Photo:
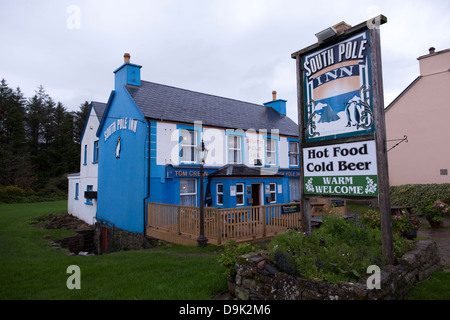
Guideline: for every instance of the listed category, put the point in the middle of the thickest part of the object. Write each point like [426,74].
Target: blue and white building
[147,138]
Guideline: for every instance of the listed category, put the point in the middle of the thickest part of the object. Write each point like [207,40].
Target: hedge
[419,195]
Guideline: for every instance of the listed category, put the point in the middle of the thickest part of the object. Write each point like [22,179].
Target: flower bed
[329,263]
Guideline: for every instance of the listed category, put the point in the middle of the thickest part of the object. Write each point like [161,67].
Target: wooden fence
[180,224]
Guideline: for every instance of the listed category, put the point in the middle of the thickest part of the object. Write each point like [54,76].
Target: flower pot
[436,224]
[410,235]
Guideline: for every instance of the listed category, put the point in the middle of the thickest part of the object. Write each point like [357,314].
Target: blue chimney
[128,73]
[278,105]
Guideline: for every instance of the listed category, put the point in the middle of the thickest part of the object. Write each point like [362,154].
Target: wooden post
[219,226]
[305,202]
[380,140]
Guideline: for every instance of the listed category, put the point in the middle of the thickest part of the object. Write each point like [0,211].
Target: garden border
[258,279]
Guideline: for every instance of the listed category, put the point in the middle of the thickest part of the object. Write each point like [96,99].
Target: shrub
[401,223]
[418,195]
[339,250]
[231,251]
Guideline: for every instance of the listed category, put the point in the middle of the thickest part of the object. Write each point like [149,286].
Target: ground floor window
[273,192]
[188,192]
[89,200]
[76,191]
[219,187]
[294,189]
[239,194]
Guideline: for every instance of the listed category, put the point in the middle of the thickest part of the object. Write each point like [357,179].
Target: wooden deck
[180,224]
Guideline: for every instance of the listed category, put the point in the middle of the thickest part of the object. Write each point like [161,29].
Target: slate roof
[162,102]
[241,170]
[99,108]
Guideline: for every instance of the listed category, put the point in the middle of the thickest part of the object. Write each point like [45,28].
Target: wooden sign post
[342,129]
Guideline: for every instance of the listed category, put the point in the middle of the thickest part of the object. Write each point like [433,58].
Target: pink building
[422,113]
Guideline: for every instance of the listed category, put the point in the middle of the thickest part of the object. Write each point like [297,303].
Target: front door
[256,194]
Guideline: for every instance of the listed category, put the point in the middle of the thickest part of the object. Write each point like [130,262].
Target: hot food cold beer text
[344,169]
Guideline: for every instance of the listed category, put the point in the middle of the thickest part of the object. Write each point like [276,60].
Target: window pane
[240,199]
[220,199]
[187,186]
[239,188]
[220,188]
[272,187]
[187,201]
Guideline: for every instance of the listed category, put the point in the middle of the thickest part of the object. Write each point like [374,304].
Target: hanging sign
[348,169]
[338,90]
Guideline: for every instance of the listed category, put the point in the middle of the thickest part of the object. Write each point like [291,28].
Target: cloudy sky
[239,49]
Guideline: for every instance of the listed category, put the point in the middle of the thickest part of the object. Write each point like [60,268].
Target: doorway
[256,194]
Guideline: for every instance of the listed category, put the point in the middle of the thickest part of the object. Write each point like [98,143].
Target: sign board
[337,86]
[290,208]
[348,169]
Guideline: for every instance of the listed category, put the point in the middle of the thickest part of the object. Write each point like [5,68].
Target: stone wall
[111,239]
[258,279]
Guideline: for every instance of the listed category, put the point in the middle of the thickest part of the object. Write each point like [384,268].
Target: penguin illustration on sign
[353,111]
[118,148]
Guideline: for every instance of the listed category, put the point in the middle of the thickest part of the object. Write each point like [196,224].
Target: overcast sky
[239,49]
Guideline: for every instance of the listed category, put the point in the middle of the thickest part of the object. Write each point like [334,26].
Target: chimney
[127,74]
[431,50]
[277,104]
[126,58]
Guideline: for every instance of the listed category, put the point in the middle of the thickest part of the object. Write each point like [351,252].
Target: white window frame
[240,193]
[190,194]
[219,193]
[185,146]
[274,192]
[237,149]
[273,151]
[294,154]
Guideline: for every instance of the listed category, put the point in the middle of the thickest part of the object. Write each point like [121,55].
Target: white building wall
[80,208]
[216,142]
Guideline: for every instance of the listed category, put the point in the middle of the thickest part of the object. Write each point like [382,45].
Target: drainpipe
[149,164]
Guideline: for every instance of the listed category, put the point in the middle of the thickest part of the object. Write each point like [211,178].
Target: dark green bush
[418,196]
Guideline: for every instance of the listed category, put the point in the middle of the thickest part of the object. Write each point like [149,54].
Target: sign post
[341,120]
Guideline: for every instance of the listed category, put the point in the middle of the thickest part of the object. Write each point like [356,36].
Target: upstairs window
[187,146]
[95,159]
[85,155]
[234,149]
[293,154]
[271,151]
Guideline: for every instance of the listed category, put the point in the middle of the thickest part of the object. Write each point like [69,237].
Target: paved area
[442,238]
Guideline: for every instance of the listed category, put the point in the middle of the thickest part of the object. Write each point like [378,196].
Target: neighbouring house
[421,114]
[81,204]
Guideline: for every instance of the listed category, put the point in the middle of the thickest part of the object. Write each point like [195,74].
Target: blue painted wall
[122,182]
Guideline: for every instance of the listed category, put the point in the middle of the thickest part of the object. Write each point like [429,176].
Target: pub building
[141,146]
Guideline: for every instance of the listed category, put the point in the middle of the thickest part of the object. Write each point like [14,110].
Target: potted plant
[435,213]
[404,224]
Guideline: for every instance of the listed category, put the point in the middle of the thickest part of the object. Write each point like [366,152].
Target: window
[273,192]
[188,192]
[234,149]
[85,154]
[271,151]
[95,160]
[293,153]
[89,200]
[76,191]
[219,188]
[239,194]
[187,146]
[294,189]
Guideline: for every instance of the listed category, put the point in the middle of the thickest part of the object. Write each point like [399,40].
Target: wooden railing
[180,224]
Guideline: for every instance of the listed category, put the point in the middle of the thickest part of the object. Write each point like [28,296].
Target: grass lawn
[30,269]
